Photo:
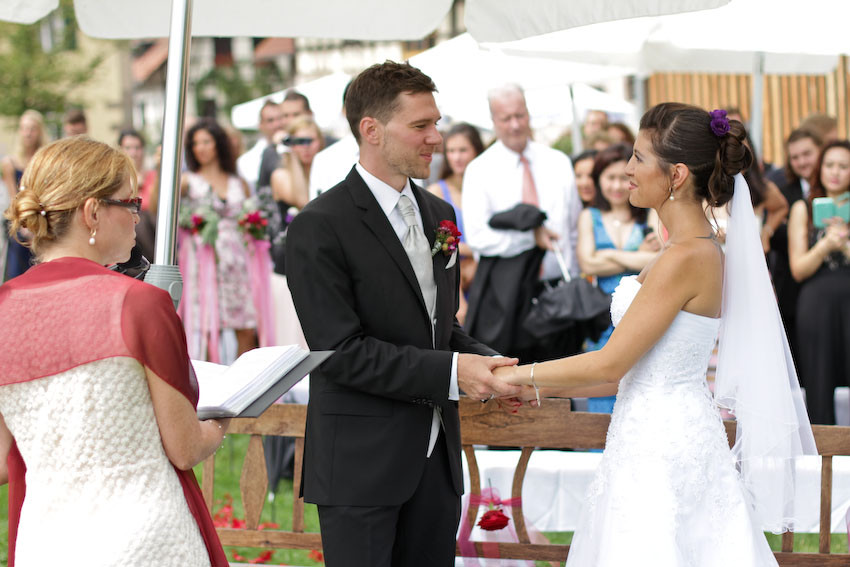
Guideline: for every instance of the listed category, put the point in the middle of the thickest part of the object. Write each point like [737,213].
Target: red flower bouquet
[447,238]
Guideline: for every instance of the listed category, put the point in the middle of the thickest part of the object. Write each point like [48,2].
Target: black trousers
[418,533]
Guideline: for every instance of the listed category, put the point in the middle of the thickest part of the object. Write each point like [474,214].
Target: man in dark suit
[382,446]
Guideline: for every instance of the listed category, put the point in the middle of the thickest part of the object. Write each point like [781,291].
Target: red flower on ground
[316,555]
[493,520]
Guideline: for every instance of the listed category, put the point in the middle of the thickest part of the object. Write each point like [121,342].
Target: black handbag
[570,302]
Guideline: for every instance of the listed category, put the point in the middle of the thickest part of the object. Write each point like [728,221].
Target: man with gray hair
[519,199]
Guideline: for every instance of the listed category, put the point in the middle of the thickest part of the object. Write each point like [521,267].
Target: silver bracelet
[533,383]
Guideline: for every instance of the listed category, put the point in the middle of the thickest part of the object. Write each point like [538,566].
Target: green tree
[39,79]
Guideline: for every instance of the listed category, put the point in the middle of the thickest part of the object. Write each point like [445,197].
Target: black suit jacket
[369,416]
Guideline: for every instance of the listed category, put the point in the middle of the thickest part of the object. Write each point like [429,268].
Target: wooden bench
[552,426]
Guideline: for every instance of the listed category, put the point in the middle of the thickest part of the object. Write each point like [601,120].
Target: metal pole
[164,272]
[757,117]
[578,142]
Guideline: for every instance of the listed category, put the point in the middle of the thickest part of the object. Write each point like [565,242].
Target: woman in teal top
[614,237]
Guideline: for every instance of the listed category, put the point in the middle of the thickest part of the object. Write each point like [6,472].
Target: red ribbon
[488,497]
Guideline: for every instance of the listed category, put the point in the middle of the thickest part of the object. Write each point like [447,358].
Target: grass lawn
[228,461]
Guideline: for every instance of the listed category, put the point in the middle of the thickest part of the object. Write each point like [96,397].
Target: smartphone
[825,208]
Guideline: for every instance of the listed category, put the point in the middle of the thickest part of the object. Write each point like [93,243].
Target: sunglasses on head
[134,205]
[290,141]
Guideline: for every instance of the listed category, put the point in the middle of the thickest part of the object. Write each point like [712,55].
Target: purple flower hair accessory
[719,122]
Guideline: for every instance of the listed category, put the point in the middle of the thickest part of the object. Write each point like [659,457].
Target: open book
[253,382]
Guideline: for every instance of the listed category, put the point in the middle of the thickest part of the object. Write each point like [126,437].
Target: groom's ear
[370,130]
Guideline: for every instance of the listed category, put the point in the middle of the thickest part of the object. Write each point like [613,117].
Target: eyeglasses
[134,205]
[290,141]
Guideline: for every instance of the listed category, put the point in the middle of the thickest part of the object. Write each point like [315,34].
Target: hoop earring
[672,198]
[91,238]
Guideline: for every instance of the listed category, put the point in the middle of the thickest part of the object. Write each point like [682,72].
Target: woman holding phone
[819,253]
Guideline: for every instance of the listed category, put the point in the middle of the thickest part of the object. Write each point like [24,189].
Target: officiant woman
[100,401]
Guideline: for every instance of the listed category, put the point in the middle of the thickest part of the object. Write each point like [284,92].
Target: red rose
[451,227]
[493,520]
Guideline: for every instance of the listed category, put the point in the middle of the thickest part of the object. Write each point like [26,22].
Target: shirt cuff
[454,392]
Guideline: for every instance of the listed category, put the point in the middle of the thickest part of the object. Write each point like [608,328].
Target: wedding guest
[462,144]
[101,405]
[31,137]
[211,188]
[667,462]
[612,238]
[594,121]
[132,142]
[295,105]
[583,167]
[74,123]
[528,189]
[802,149]
[620,133]
[271,122]
[289,186]
[599,140]
[820,261]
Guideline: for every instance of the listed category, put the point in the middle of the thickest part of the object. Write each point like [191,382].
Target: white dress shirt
[248,164]
[492,184]
[331,165]
[387,198]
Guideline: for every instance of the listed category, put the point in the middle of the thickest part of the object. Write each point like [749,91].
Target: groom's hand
[475,376]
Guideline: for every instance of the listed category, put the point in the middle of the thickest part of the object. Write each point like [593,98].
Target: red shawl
[81,312]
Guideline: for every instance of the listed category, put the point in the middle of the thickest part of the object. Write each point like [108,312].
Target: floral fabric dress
[235,305]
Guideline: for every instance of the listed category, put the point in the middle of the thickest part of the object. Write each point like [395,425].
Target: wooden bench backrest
[553,426]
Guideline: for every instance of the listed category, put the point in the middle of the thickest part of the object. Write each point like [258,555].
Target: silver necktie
[419,253]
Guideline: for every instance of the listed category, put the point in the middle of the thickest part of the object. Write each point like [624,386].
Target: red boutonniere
[493,520]
[448,237]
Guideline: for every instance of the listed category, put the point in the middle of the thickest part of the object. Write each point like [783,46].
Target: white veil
[756,378]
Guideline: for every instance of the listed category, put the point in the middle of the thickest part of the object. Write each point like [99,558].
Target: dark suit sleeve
[324,297]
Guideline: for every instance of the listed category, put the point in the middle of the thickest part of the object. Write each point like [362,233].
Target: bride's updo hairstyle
[711,146]
[59,178]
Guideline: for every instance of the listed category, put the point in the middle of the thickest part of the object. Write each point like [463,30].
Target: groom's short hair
[374,92]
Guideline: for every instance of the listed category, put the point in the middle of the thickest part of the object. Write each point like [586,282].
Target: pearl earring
[671,194]
[91,238]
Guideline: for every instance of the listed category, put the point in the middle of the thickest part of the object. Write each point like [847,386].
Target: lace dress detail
[100,489]
[667,492]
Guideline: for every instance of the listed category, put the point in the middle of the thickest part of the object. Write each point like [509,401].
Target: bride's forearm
[599,391]
[576,374]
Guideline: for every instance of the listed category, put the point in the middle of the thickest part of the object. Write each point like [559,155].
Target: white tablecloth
[556,481]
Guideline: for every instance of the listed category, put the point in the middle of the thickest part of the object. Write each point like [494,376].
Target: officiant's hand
[475,376]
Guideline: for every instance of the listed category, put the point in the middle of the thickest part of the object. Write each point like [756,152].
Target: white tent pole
[578,143]
[164,273]
[757,116]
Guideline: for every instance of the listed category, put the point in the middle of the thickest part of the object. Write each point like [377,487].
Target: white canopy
[795,37]
[487,20]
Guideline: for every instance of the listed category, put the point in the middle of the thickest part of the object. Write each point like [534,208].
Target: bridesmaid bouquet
[202,220]
[253,221]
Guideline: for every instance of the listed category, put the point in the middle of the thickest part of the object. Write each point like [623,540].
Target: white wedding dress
[667,493]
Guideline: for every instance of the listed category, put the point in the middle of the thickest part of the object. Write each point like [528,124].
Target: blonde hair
[38,118]
[306,122]
[59,179]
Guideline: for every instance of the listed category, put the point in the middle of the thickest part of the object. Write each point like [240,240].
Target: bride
[668,491]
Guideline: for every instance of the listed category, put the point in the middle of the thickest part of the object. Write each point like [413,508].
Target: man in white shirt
[271,122]
[515,171]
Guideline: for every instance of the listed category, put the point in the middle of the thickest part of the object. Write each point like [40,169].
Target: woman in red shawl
[97,404]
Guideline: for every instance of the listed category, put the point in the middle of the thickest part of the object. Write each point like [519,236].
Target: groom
[382,446]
